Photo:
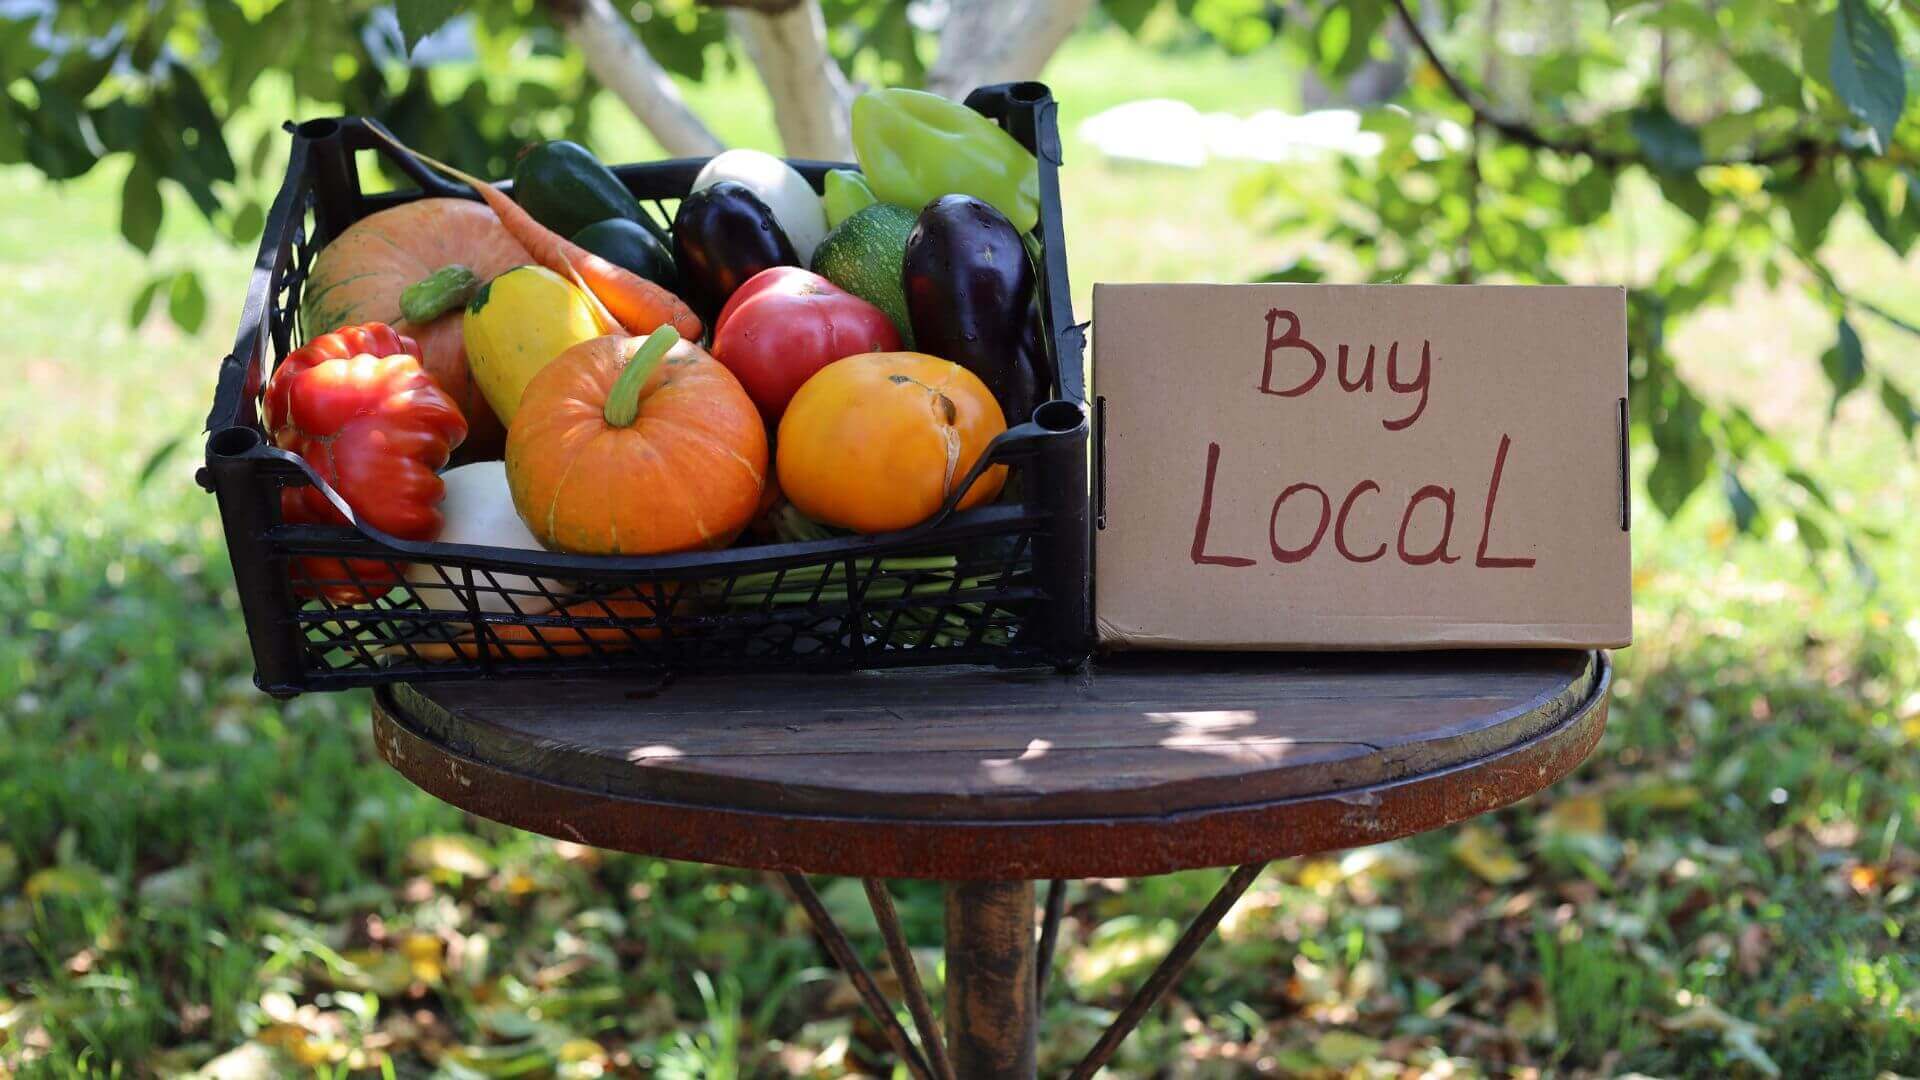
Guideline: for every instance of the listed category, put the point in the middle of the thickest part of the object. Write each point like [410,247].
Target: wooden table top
[1136,765]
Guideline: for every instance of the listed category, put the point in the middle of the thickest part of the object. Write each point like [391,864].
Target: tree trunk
[993,41]
[810,94]
[622,64]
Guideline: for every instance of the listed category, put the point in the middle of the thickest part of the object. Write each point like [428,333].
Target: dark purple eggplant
[722,236]
[969,286]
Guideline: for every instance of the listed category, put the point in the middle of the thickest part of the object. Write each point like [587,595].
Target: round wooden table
[990,780]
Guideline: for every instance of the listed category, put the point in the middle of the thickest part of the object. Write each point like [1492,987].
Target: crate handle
[1050,421]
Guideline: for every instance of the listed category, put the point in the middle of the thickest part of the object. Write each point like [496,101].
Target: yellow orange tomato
[877,441]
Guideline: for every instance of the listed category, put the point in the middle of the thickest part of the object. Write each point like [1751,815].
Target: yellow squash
[516,324]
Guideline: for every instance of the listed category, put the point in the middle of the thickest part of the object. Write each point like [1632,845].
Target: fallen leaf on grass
[75,881]
[424,953]
[1344,1049]
[375,972]
[177,887]
[1863,879]
[248,1061]
[1487,855]
[1576,815]
[303,1046]
[449,853]
[1740,1037]
[1658,793]
[1529,1022]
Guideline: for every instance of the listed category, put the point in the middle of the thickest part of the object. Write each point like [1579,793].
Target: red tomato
[786,323]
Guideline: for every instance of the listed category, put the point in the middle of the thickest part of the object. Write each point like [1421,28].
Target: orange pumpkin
[877,441]
[358,278]
[636,446]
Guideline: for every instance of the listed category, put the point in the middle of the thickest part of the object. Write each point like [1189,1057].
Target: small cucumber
[439,292]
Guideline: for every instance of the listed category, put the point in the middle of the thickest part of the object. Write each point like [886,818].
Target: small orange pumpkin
[636,446]
[359,276]
[877,441]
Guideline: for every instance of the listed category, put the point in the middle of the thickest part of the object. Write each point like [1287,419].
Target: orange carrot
[632,301]
[538,642]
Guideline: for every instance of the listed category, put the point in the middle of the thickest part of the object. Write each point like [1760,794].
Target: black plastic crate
[1007,584]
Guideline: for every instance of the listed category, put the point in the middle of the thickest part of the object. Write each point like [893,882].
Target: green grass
[189,870]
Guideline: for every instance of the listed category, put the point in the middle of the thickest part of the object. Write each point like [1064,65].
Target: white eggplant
[796,207]
[478,509]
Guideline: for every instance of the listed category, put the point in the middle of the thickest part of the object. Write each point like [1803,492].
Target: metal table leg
[991,1013]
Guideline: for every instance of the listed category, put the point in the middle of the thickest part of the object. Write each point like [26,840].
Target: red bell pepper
[357,405]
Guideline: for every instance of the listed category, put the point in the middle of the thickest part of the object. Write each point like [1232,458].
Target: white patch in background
[1162,131]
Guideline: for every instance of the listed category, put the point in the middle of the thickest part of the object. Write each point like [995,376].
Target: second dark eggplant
[722,236]
[969,286]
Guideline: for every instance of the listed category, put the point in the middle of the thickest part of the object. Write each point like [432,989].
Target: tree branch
[811,96]
[622,64]
[993,41]
[1798,147]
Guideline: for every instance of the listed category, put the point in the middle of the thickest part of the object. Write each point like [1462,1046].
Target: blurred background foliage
[192,876]
[1509,126]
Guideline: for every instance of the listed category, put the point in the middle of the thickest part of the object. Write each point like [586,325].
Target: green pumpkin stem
[623,401]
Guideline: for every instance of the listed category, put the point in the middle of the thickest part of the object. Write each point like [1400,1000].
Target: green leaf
[13,136]
[156,459]
[1865,69]
[1685,191]
[1862,568]
[1811,534]
[1900,407]
[140,206]
[1299,270]
[1746,512]
[1896,232]
[1812,205]
[247,223]
[1590,197]
[1365,19]
[121,126]
[187,302]
[187,126]
[1333,36]
[418,18]
[1805,482]
[19,51]
[56,141]
[1557,76]
[1131,15]
[1670,146]
[1684,454]
[1845,365]
[1777,82]
[84,66]
[143,301]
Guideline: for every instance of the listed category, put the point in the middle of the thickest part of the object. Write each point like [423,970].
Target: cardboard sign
[1361,466]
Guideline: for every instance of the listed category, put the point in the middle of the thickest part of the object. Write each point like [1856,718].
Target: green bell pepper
[847,194]
[915,147]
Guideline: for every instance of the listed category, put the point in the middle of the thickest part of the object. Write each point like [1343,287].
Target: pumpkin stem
[623,401]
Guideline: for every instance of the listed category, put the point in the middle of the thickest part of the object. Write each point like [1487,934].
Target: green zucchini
[625,244]
[566,189]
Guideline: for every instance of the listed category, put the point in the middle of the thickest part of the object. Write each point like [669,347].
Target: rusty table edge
[960,850]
